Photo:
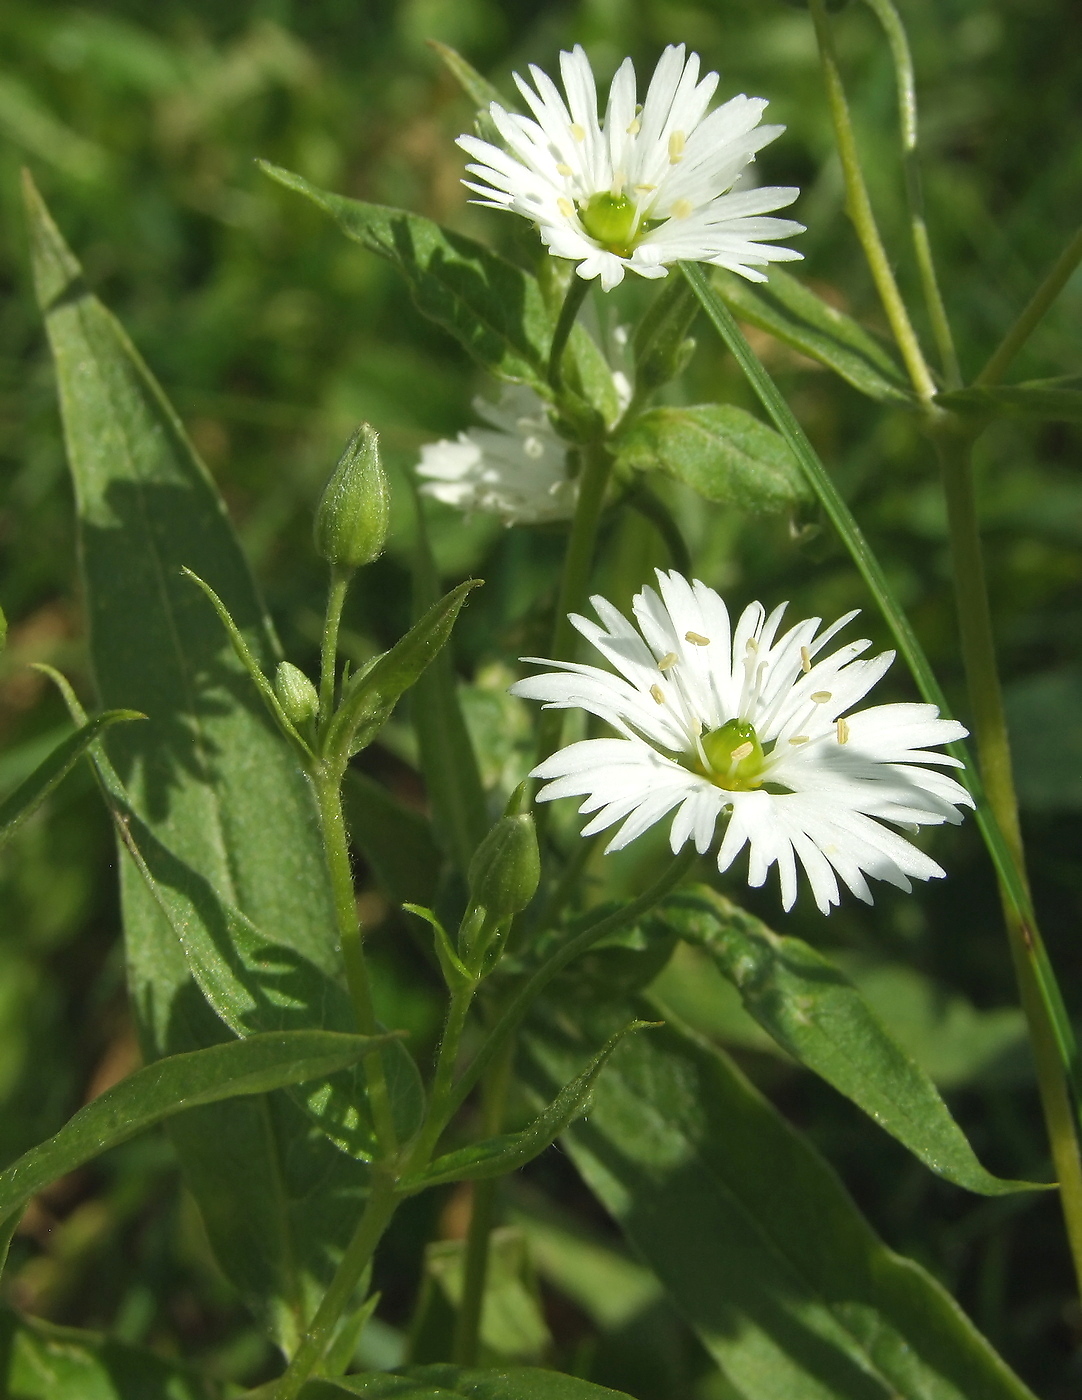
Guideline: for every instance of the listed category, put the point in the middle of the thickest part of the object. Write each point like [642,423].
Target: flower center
[735,756]
[610,218]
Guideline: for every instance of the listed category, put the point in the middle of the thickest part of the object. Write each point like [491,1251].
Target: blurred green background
[274,336]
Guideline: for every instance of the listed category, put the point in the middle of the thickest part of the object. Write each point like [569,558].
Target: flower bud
[352,515]
[506,867]
[296,694]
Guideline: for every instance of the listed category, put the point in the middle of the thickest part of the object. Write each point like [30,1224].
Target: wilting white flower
[748,725]
[649,185]
[516,468]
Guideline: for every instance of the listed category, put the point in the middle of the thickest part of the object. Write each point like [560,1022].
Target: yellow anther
[669,659]
[563,169]
[744,751]
[645,189]
[696,639]
[634,128]
[682,208]
[751,644]
[566,208]
[577,132]
[805,660]
[843,732]
[677,142]
[820,697]
[799,739]
[658,694]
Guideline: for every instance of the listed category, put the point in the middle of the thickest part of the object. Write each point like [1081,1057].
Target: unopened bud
[352,515]
[506,868]
[296,693]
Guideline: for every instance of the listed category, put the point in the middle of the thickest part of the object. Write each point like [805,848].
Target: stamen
[658,694]
[799,739]
[669,659]
[696,639]
[619,180]
[820,697]
[563,169]
[744,751]
[682,208]
[566,208]
[751,644]
[677,142]
[577,132]
[843,732]
[635,127]
[645,189]
[805,660]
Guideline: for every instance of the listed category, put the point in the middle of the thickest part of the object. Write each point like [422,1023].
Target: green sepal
[248,661]
[455,972]
[498,1155]
[817,1015]
[48,775]
[353,515]
[373,693]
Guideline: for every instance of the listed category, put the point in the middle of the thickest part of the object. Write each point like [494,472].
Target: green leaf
[718,450]
[447,755]
[792,313]
[495,310]
[476,87]
[48,775]
[172,1085]
[752,1234]
[207,777]
[1048,400]
[456,1383]
[373,693]
[40,1361]
[499,1155]
[818,1016]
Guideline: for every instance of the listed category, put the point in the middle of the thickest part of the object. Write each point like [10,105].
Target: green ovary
[735,756]
[610,218]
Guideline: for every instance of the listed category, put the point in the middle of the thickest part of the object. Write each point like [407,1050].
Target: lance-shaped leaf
[172,1085]
[752,1234]
[40,1361]
[476,87]
[815,1013]
[493,308]
[373,693]
[209,778]
[1047,400]
[792,313]
[720,451]
[499,1155]
[36,788]
[459,1383]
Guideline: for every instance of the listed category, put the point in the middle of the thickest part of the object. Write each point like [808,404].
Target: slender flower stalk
[644,187]
[1054,282]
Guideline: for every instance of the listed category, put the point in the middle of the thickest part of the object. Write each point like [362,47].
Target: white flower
[748,725]
[647,187]
[516,469]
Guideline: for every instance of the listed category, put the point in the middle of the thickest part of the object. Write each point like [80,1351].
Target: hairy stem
[891,21]
[859,208]
[993,749]
[475,1266]
[336,598]
[336,844]
[1038,304]
[379,1209]
[576,295]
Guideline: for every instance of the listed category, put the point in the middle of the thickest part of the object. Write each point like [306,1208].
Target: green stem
[378,1211]
[576,295]
[336,844]
[993,748]
[1041,300]
[892,24]
[859,208]
[329,651]
[572,949]
[593,481]
[442,1092]
[475,1267]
